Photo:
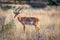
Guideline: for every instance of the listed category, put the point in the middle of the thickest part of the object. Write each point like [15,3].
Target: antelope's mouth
[15,16]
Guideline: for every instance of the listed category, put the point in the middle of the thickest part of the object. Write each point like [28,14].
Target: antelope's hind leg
[37,26]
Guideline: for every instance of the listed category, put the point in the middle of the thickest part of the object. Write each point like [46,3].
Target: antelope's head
[16,11]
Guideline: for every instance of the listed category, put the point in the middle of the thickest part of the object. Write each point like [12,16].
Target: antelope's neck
[19,17]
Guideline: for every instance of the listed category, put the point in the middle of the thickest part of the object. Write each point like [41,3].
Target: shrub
[6,7]
[53,2]
[8,26]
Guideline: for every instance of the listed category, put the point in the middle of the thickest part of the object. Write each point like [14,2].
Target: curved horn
[16,11]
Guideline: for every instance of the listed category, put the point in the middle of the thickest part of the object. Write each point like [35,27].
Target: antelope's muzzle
[15,16]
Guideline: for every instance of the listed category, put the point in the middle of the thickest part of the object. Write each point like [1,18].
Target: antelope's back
[29,20]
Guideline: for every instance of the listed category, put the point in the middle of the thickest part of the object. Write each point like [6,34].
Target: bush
[53,2]
[8,26]
[6,8]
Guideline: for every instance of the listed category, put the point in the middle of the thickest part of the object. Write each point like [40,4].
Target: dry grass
[49,24]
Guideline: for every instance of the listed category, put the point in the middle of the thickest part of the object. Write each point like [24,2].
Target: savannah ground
[12,29]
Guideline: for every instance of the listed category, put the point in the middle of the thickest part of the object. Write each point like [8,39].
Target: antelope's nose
[15,16]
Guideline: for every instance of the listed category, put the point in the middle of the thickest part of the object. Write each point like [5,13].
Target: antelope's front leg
[23,26]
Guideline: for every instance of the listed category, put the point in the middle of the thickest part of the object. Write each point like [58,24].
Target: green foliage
[53,2]
[13,7]
[28,0]
[8,26]
[5,8]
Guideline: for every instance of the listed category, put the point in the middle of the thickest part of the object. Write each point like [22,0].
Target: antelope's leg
[23,27]
[37,26]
